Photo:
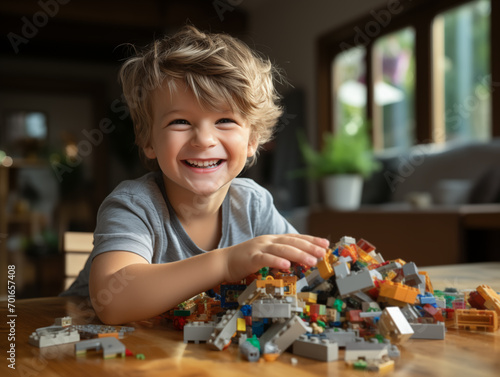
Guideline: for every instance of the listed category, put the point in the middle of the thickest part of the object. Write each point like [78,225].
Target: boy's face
[199,151]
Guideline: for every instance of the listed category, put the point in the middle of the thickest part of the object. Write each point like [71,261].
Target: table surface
[461,353]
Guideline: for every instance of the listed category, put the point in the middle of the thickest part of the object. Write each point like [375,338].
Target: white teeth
[203,164]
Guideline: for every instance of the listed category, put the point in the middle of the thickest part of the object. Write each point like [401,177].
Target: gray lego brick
[366,350]
[283,334]
[356,281]
[271,309]
[198,331]
[428,330]
[111,347]
[341,337]
[315,348]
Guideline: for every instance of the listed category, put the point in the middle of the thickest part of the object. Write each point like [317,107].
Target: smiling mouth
[208,164]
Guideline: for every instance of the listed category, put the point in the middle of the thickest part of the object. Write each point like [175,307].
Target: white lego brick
[45,338]
[394,325]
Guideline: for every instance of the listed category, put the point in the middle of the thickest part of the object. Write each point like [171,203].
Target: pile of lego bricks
[353,299]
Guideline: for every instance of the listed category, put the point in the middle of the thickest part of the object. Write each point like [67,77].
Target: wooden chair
[77,246]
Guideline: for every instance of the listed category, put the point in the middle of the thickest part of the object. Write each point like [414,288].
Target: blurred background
[421,76]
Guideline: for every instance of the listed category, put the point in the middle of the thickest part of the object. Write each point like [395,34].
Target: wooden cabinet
[435,236]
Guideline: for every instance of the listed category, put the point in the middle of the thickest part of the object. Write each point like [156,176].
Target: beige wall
[287,31]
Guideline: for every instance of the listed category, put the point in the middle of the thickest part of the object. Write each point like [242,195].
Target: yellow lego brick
[308,297]
[241,325]
[365,257]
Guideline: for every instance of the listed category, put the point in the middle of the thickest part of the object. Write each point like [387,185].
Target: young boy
[202,104]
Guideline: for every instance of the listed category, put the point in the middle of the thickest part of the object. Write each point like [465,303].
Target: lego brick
[198,331]
[394,326]
[341,337]
[248,294]
[356,281]
[249,351]
[308,297]
[315,348]
[474,319]
[314,279]
[365,350]
[384,268]
[271,309]
[325,267]
[428,330]
[341,268]
[229,294]
[224,330]
[397,293]
[271,286]
[492,299]
[301,284]
[283,334]
[63,321]
[53,336]
[111,347]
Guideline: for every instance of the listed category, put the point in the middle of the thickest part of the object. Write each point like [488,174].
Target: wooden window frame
[420,16]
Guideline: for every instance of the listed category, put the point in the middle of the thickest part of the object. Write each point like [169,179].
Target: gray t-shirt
[137,217]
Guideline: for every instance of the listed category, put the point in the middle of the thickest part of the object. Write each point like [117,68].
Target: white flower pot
[343,191]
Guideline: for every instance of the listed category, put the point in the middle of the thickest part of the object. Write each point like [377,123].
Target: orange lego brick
[365,245]
[401,294]
[428,284]
[325,266]
[479,320]
[491,298]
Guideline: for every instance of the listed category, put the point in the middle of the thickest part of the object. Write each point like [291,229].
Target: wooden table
[462,353]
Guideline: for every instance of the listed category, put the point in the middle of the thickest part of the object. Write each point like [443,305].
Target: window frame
[419,15]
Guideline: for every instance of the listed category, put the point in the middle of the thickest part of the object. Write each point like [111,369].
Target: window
[462,73]
[348,85]
[421,72]
[394,88]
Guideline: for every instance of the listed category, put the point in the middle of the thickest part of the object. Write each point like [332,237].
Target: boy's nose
[204,138]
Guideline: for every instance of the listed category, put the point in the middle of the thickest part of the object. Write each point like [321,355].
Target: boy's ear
[149,152]
[252,147]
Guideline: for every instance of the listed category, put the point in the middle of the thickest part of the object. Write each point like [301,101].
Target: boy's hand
[274,251]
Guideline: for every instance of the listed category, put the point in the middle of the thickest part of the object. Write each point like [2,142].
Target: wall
[287,31]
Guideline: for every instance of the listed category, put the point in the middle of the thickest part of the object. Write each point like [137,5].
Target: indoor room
[388,135]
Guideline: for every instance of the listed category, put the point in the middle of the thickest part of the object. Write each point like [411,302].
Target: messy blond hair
[218,68]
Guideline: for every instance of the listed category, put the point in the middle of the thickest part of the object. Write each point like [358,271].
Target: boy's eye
[225,120]
[179,121]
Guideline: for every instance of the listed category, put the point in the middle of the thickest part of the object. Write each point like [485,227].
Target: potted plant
[342,163]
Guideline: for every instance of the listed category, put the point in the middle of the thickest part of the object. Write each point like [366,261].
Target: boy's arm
[124,287]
